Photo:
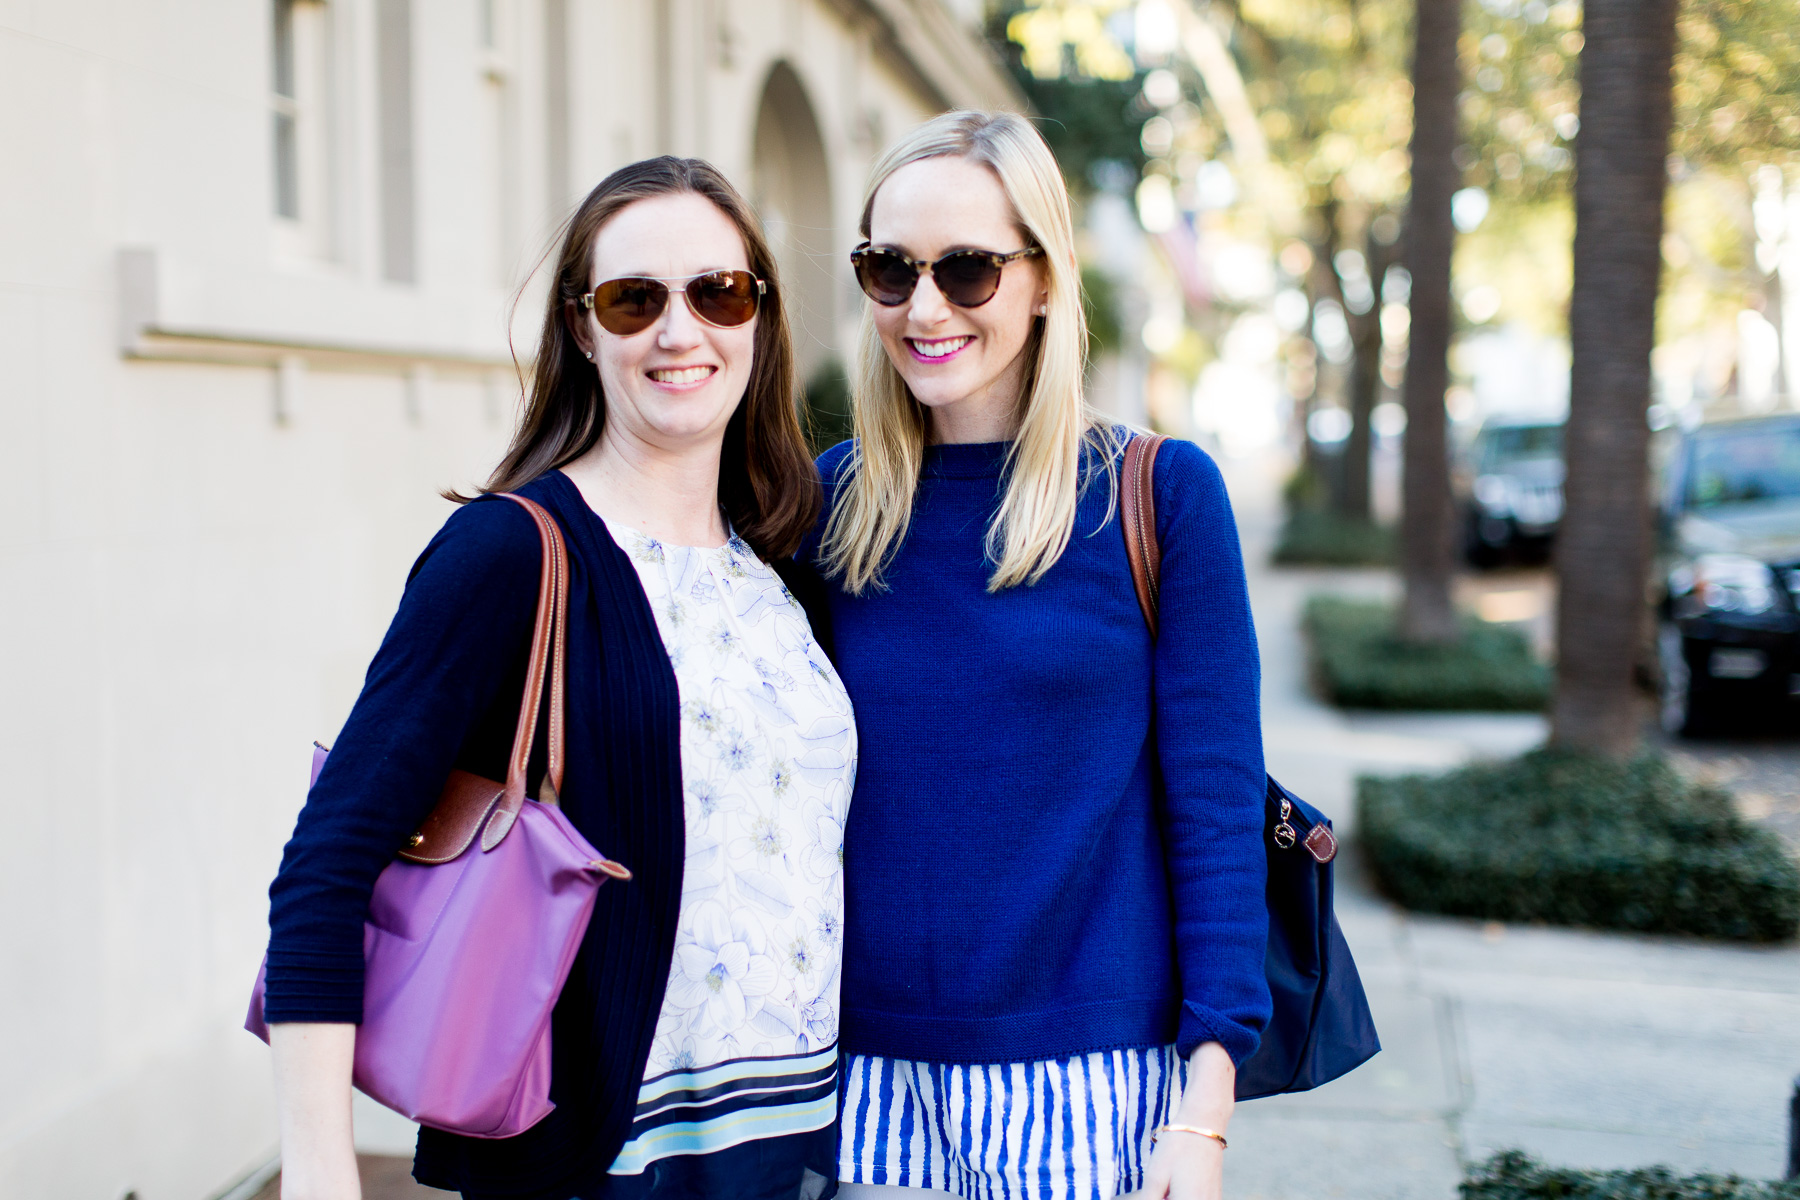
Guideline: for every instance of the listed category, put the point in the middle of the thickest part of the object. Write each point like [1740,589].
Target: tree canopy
[1328,83]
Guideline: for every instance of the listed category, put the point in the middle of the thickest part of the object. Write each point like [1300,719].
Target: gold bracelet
[1217,1137]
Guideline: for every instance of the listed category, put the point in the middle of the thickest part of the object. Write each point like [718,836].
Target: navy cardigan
[442,692]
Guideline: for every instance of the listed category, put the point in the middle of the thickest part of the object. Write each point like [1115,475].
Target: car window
[1756,464]
[1520,441]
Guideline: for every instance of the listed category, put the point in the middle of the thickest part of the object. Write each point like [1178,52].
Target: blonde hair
[878,480]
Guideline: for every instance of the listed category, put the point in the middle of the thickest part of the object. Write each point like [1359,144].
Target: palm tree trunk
[1428,520]
[1322,283]
[1365,381]
[1603,546]
[1365,385]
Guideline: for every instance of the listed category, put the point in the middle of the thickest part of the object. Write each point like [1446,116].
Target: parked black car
[1510,487]
[1728,642]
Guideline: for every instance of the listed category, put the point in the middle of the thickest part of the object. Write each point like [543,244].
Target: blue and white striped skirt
[1066,1129]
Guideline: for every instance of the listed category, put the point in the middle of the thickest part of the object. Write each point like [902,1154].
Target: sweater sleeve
[1209,741]
[464,621]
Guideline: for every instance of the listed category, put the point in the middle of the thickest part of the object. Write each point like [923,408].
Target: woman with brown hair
[709,742]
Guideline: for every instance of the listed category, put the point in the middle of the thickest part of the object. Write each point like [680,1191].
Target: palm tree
[1427,519]
[1365,374]
[1603,546]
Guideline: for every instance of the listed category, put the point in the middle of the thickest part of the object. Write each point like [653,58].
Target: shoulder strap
[549,636]
[1137,518]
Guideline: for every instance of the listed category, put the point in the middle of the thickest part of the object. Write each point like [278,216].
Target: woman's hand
[1191,1166]
[312,1095]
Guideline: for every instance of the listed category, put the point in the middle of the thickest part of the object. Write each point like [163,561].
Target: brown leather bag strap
[1137,518]
[555,734]
[558,731]
[549,637]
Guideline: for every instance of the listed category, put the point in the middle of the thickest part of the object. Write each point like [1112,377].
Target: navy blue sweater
[443,691]
[1055,841]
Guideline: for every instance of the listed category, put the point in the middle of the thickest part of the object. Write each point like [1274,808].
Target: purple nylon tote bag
[467,946]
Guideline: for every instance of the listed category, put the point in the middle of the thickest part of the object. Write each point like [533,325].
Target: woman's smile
[933,350]
[682,379]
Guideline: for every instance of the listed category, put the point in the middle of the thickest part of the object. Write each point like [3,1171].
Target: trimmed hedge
[1360,662]
[825,407]
[1511,1175]
[1573,839]
[1311,537]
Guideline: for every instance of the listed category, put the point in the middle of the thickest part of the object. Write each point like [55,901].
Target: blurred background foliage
[826,405]
[1736,133]
[1319,177]
[1084,86]
[1328,82]
[1737,83]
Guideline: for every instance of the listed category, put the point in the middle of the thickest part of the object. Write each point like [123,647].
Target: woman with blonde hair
[1055,925]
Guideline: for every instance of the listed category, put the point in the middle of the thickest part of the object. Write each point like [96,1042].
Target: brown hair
[768,485]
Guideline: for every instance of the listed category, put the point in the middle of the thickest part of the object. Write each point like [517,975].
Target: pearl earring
[590,355]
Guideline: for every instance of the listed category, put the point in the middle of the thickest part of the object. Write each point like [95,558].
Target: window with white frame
[299,97]
[495,157]
[394,139]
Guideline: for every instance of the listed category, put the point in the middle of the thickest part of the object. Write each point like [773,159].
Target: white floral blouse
[746,1046]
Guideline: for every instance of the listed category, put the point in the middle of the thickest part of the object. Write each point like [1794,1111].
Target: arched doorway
[792,186]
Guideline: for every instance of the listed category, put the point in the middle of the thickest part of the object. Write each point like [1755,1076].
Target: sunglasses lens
[968,278]
[724,298]
[628,306]
[886,278]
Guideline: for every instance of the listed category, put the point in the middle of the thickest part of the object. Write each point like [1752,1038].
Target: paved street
[1762,771]
[1585,1049]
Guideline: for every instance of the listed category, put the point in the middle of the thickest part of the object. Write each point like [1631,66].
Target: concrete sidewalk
[1584,1049]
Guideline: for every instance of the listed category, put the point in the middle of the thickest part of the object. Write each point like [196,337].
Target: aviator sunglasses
[967,278]
[723,299]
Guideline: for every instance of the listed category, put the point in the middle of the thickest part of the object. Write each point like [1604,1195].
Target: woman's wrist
[1209,1099]
[1216,1117]
[1180,1129]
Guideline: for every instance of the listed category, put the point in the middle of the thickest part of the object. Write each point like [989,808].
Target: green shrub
[1511,1175]
[1100,301]
[1313,537]
[825,406]
[1305,488]
[1573,839]
[1361,662]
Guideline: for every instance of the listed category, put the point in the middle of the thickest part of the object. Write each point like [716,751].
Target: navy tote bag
[1321,1027]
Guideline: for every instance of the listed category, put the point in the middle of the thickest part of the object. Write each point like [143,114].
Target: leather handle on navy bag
[1321,1027]
[1137,518]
